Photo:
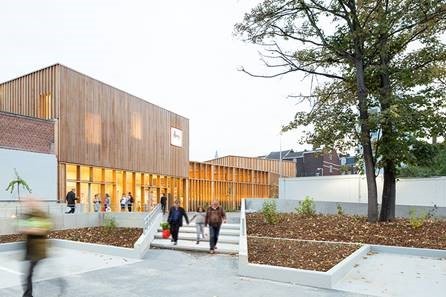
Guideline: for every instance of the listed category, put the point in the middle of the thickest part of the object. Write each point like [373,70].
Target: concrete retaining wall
[38,170]
[80,220]
[329,207]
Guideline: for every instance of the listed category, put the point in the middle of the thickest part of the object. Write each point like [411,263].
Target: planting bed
[307,255]
[122,237]
[272,249]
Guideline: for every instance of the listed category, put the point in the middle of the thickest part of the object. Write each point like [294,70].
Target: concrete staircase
[227,241]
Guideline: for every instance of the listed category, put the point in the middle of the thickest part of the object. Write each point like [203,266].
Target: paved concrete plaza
[384,274]
[163,273]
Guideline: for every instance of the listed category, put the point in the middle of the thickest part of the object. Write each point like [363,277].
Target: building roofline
[92,78]
[230,166]
[255,158]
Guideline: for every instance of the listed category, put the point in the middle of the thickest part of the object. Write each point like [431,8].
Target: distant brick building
[26,133]
[310,163]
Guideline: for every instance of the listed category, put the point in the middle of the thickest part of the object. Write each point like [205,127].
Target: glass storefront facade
[146,188]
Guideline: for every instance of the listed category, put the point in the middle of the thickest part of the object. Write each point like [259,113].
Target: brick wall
[26,133]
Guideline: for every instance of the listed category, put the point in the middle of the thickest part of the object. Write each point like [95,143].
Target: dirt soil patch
[309,255]
[353,229]
[304,253]
[10,238]
[122,237]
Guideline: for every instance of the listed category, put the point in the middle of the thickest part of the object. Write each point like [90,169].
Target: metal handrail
[151,216]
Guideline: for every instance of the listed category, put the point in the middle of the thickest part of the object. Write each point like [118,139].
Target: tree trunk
[434,138]
[389,192]
[387,127]
[372,193]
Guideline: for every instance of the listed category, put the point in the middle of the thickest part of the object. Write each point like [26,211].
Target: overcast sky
[180,55]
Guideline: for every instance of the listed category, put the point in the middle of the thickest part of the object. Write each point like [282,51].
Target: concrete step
[187,245]
[223,226]
[192,229]
[193,237]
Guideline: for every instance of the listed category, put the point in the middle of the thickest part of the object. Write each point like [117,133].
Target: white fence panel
[353,188]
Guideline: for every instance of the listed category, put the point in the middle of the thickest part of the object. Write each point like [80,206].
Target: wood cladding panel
[26,95]
[288,167]
[226,184]
[99,125]
[107,127]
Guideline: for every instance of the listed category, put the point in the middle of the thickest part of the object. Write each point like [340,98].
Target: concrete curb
[420,252]
[96,248]
[342,268]
[11,246]
[318,279]
[77,245]
[327,279]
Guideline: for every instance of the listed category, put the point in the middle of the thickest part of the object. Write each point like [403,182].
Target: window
[71,172]
[136,125]
[93,128]
[45,106]
[97,174]
[85,173]
[109,175]
[176,137]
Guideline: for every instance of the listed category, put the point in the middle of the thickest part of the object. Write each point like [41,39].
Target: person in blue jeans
[175,220]
[215,216]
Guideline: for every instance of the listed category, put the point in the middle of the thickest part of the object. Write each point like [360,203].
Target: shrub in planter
[166,232]
[109,223]
[417,221]
[306,207]
[339,209]
[269,211]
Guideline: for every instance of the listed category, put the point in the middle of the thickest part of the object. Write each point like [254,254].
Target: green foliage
[109,223]
[426,160]
[164,225]
[306,207]
[339,209]
[383,68]
[269,211]
[19,182]
[416,221]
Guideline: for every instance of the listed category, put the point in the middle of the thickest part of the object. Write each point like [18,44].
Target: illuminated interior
[146,188]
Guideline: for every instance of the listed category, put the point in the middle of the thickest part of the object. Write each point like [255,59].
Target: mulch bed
[304,253]
[10,238]
[309,255]
[122,237]
[354,229]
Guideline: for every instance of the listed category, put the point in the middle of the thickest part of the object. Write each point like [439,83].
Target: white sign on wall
[176,137]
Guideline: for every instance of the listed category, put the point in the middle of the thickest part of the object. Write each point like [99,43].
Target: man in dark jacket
[163,203]
[175,220]
[71,201]
[215,216]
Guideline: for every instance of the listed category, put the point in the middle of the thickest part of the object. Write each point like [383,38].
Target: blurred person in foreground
[35,225]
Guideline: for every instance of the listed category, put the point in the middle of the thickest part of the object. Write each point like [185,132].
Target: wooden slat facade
[98,125]
[133,134]
[226,184]
[288,167]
